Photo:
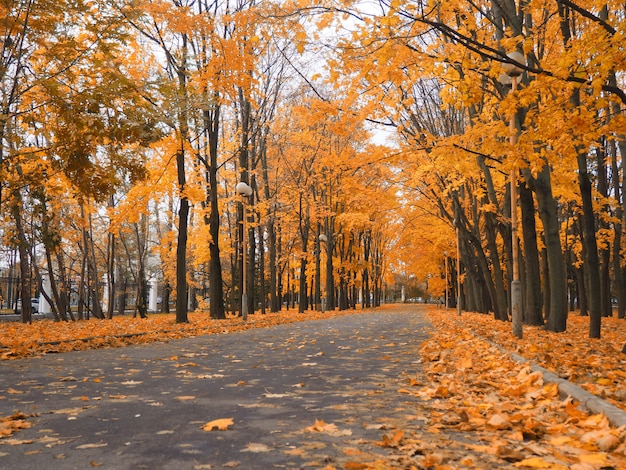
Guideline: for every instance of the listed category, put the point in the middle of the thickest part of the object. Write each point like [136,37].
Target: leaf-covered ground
[46,336]
[481,391]
[597,365]
[477,407]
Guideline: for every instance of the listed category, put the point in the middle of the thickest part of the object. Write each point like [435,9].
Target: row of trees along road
[126,126]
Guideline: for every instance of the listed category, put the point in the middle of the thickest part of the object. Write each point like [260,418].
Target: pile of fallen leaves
[472,387]
[597,365]
[18,340]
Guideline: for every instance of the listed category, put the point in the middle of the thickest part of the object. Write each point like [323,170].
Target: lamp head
[512,69]
[243,189]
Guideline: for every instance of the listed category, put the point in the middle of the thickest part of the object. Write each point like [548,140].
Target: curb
[591,402]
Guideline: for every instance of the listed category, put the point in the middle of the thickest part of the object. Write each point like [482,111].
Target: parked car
[34,305]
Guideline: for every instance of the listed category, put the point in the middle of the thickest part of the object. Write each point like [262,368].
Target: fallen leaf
[276,395]
[356,466]
[328,428]
[392,441]
[499,421]
[297,452]
[603,439]
[256,447]
[220,424]
[92,446]
[534,462]
[17,442]
[599,458]
[232,464]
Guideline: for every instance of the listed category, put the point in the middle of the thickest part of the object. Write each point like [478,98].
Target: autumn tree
[463,45]
[63,74]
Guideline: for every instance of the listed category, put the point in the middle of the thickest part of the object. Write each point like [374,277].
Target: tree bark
[216,291]
[24,252]
[183,210]
[305,225]
[557,283]
[491,227]
[533,304]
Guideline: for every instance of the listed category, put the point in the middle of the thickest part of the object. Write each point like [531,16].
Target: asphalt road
[312,394]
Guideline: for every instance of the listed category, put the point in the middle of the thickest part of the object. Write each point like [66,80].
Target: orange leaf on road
[219,424]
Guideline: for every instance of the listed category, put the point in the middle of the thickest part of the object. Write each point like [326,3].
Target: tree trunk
[141,302]
[22,246]
[111,275]
[330,277]
[582,292]
[93,277]
[491,226]
[165,297]
[181,248]
[302,291]
[251,268]
[557,314]
[51,242]
[367,243]
[216,292]
[262,283]
[183,209]
[604,252]
[474,246]
[121,297]
[592,262]
[533,305]
[305,227]
[618,285]
[111,269]
[318,270]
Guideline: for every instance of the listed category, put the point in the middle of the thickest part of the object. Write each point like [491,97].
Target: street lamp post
[513,71]
[244,190]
